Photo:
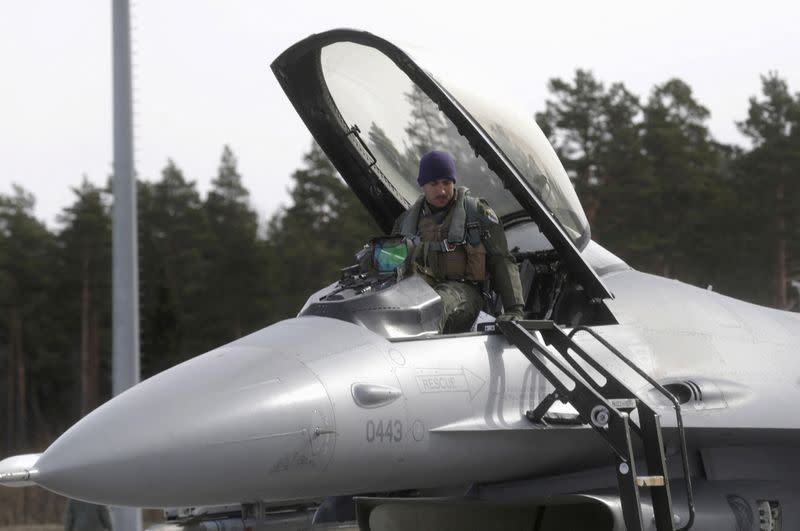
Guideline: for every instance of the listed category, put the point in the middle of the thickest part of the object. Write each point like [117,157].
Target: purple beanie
[436,165]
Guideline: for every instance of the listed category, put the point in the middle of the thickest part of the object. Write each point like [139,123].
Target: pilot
[462,245]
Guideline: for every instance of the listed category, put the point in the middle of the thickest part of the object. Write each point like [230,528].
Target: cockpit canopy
[398,123]
[375,111]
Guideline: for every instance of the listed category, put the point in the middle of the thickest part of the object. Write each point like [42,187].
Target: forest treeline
[659,192]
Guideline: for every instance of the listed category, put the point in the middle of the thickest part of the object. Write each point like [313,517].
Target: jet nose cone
[229,426]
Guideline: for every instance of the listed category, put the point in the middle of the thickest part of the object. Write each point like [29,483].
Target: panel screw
[599,416]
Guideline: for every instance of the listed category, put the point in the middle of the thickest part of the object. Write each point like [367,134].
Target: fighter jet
[625,401]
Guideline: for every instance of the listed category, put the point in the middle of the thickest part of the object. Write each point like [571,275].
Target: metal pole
[125,279]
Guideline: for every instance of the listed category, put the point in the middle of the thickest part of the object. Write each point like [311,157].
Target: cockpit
[395,303]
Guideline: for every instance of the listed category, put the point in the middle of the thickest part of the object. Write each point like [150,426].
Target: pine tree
[769,176]
[686,166]
[26,250]
[173,280]
[390,157]
[427,126]
[316,236]
[597,135]
[236,264]
[85,283]
[574,122]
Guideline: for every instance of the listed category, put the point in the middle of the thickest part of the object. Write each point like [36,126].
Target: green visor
[388,254]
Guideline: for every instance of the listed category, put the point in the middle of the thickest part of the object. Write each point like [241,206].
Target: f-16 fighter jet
[622,401]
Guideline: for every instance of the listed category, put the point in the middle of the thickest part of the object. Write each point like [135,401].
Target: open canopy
[375,111]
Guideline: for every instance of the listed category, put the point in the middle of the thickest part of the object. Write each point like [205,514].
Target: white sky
[201,76]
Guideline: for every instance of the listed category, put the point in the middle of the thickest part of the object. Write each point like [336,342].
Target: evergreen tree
[26,278]
[427,126]
[574,121]
[770,189]
[316,236]
[686,166]
[390,157]
[651,178]
[237,269]
[173,280]
[597,134]
[621,181]
[85,290]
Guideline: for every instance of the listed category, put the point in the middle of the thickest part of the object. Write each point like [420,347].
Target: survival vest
[452,249]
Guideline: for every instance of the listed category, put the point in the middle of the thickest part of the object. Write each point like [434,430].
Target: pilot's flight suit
[457,243]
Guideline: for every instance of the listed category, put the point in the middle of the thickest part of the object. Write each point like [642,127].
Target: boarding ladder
[607,409]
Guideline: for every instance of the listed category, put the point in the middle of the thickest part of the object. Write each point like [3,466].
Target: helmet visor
[388,255]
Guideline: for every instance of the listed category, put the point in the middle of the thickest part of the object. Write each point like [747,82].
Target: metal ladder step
[624,403]
[650,481]
[608,416]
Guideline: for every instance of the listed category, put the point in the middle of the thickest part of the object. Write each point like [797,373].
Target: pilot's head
[437,177]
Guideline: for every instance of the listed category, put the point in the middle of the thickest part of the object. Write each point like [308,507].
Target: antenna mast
[125,277]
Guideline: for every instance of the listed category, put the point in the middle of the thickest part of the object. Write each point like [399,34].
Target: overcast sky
[201,76]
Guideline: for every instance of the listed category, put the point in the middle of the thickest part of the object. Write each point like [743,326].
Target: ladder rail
[562,341]
[588,396]
[592,406]
[553,335]
[648,423]
[648,430]
[583,396]
[676,405]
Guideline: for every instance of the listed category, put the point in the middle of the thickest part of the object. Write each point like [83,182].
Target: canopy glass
[397,122]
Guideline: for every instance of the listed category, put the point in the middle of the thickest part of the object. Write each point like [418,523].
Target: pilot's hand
[515,313]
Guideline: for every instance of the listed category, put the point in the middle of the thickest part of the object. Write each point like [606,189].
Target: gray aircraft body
[502,428]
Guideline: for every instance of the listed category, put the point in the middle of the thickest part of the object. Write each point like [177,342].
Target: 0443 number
[384,431]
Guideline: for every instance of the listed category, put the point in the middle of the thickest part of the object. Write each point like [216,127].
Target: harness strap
[443,246]
[409,226]
[473,225]
[458,220]
[464,224]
